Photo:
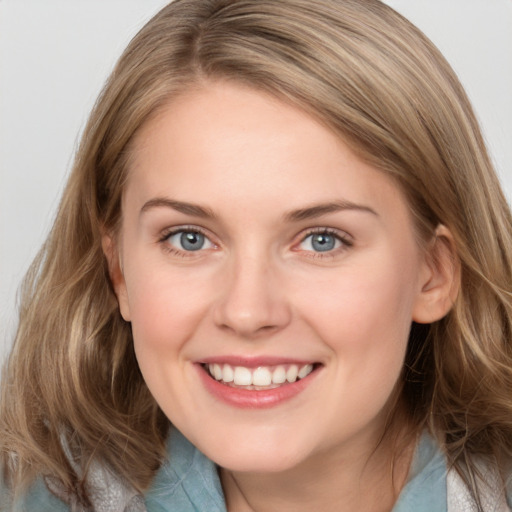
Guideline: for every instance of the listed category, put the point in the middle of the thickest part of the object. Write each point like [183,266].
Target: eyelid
[167,233]
[345,239]
[164,234]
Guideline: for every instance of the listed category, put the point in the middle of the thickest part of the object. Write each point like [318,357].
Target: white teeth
[228,374]
[263,376]
[305,371]
[242,376]
[217,372]
[292,373]
[279,375]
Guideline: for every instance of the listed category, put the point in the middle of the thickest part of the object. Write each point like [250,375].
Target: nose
[253,299]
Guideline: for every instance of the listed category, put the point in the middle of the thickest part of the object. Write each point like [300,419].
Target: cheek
[165,306]
[360,300]
[363,314]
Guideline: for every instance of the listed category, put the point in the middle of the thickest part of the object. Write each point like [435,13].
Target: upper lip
[254,362]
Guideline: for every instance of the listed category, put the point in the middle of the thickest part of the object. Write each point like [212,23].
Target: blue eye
[321,242]
[189,240]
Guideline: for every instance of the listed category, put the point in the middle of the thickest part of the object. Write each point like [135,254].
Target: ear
[115,270]
[440,280]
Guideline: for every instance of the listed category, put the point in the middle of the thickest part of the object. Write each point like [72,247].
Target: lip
[253,399]
[254,362]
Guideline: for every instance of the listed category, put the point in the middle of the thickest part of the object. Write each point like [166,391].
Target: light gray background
[56,54]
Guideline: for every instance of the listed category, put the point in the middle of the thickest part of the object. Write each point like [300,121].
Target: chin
[257,457]
[258,465]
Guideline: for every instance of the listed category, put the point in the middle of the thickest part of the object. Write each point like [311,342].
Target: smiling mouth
[260,378]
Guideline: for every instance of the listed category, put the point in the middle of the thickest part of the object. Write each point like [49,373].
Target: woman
[283,236]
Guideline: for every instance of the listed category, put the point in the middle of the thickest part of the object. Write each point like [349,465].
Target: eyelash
[346,241]
[166,235]
[344,238]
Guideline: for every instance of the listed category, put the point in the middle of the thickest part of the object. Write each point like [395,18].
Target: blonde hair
[368,74]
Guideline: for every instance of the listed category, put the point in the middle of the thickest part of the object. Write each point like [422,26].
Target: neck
[347,480]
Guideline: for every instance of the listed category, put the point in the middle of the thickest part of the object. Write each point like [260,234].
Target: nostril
[249,331]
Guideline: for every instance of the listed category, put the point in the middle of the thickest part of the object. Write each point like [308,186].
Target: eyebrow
[311,212]
[314,211]
[180,206]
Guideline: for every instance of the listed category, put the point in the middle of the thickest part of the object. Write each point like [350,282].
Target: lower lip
[254,399]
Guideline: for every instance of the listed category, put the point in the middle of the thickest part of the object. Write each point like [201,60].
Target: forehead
[248,147]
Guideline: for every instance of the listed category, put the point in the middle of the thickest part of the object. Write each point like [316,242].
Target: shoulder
[425,490]
[492,490]
[38,497]
[434,487]
[187,481]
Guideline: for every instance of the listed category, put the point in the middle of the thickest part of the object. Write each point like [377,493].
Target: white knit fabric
[490,487]
[109,493]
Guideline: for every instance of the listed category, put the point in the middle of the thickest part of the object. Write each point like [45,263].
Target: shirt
[189,482]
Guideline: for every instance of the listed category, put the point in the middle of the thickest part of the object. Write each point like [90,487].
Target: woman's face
[256,246]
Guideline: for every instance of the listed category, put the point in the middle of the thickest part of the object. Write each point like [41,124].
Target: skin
[258,288]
